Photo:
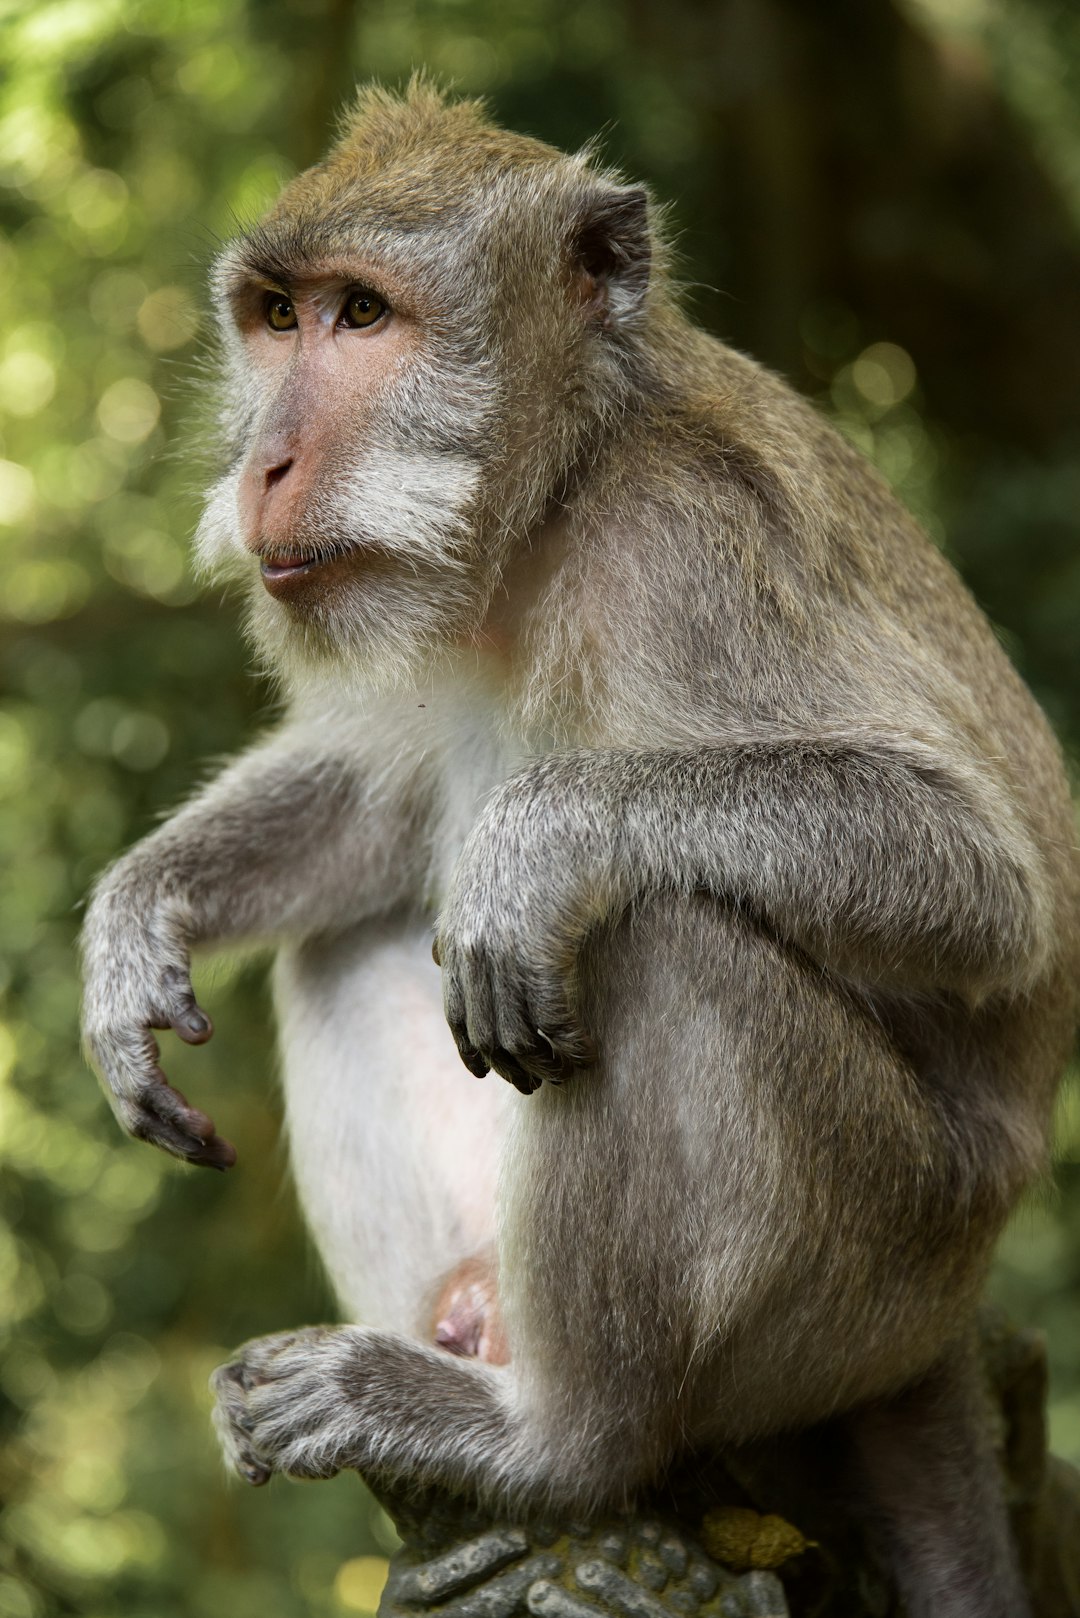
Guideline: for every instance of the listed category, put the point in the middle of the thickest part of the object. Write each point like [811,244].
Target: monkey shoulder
[754,566]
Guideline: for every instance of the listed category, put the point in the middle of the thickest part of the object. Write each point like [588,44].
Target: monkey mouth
[285,573]
[283,567]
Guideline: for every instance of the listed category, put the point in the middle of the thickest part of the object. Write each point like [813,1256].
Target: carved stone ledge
[457,1565]
[712,1547]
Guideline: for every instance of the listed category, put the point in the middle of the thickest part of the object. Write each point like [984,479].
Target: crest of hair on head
[390,121]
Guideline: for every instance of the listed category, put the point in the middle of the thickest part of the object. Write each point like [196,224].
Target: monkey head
[421,342]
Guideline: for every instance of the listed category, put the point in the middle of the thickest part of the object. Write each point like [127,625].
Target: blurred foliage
[888,193]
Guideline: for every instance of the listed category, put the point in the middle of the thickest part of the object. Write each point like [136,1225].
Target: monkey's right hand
[137,978]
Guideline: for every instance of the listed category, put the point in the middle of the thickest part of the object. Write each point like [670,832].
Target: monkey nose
[264,505]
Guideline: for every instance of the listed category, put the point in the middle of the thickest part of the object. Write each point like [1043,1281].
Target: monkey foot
[283,1406]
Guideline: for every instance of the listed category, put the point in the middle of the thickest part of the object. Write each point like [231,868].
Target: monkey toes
[281,1405]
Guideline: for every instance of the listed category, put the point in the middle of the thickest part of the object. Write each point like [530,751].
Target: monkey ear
[612,255]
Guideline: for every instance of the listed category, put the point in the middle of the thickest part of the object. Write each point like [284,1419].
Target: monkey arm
[290,839]
[886,860]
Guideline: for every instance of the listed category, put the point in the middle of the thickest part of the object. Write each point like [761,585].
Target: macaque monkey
[748,858]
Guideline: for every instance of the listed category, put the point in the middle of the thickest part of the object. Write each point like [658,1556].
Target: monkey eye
[361,309]
[280,314]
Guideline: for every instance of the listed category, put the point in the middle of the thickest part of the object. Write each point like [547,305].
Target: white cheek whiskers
[408,503]
[219,550]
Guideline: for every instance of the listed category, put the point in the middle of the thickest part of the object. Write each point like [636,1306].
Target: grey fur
[741,828]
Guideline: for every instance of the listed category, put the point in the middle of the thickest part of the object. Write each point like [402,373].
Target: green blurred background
[880,199]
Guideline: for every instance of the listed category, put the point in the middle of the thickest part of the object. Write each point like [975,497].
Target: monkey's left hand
[526,890]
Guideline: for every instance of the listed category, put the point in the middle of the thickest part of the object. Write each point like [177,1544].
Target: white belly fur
[394,1144]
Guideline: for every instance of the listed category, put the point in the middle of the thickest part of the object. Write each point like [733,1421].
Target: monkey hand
[136,978]
[520,904]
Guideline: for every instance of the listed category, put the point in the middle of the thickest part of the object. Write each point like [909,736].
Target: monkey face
[421,341]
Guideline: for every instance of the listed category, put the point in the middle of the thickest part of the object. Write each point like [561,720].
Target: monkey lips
[285,575]
[283,566]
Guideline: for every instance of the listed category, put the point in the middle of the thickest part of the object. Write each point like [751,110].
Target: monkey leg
[752,1213]
[311,1402]
[929,1485]
[755,1213]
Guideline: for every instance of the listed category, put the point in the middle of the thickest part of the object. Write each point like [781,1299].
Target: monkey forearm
[878,860]
[285,841]
[289,839]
